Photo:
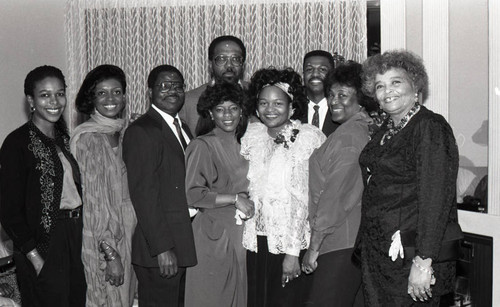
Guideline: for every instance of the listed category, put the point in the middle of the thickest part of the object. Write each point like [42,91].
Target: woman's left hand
[419,281]
[309,263]
[291,269]
[115,272]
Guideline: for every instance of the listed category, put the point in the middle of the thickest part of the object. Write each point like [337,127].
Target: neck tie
[315,120]
[179,133]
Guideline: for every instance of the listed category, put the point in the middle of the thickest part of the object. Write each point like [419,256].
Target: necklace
[393,130]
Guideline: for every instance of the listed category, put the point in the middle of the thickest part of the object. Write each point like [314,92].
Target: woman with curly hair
[109,218]
[278,150]
[335,189]
[409,233]
[41,198]
[217,186]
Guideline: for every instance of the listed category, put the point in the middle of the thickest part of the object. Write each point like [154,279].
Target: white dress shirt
[169,119]
[323,109]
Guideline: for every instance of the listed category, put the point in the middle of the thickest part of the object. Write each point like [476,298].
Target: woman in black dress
[409,171]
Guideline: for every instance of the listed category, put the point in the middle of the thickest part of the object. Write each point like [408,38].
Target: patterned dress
[108,216]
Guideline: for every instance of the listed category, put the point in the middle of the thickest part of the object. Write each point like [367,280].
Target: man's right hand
[168,264]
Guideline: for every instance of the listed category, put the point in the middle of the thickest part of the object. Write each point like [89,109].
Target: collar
[323,104]
[169,119]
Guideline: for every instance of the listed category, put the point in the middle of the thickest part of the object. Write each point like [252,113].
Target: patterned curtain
[138,35]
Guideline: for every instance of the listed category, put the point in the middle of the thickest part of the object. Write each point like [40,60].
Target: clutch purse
[450,246]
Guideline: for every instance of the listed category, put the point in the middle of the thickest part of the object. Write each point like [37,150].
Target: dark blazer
[156,175]
[328,125]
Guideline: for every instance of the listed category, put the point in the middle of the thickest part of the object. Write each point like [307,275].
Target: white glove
[396,247]
[192,211]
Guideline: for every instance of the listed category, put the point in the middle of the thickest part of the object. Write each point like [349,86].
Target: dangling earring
[32,109]
[211,116]
[416,97]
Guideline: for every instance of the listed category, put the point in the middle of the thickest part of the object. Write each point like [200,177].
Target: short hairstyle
[215,95]
[224,38]
[85,97]
[153,75]
[321,53]
[271,76]
[39,74]
[349,74]
[402,59]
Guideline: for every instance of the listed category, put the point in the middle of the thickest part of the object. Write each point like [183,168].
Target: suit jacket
[328,125]
[156,176]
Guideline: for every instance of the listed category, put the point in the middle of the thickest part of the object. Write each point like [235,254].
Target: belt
[70,214]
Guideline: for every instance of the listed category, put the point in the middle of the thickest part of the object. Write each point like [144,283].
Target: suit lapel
[167,133]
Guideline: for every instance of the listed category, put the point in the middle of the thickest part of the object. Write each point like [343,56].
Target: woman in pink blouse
[335,189]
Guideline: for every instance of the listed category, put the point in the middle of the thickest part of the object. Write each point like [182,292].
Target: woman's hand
[309,263]
[420,279]
[115,272]
[291,269]
[36,260]
[245,205]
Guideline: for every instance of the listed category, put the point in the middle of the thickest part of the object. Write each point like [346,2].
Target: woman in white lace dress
[278,150]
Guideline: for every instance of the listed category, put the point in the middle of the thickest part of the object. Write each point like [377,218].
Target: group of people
[280,191]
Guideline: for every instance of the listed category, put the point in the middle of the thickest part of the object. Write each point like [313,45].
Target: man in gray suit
[226,62]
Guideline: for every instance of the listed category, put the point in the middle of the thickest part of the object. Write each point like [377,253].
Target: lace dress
[278,175]
[410,180]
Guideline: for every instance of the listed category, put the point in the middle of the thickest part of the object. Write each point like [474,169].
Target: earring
[32,109]
[416,97]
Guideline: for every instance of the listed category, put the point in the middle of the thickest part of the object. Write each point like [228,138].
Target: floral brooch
[287,134]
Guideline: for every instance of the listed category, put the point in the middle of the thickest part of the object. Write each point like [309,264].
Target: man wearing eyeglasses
[226,56]
[153,151]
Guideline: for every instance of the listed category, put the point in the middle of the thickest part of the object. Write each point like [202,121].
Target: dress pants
[157,291]
[336,279]
[264,272]
[61,282]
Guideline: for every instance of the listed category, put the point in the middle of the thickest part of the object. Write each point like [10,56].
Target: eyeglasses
[168,85]
[221,60]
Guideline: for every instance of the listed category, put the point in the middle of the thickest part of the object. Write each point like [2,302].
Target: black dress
[410,184]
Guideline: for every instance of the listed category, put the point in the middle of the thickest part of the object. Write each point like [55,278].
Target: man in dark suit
[153,151]
[226,62]
[316,65]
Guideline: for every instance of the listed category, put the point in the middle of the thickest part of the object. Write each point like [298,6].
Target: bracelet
[104,246]
[235,199]
[429,270]
[112,256]
[32,254]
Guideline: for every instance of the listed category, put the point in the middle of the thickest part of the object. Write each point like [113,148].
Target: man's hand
[168,264]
